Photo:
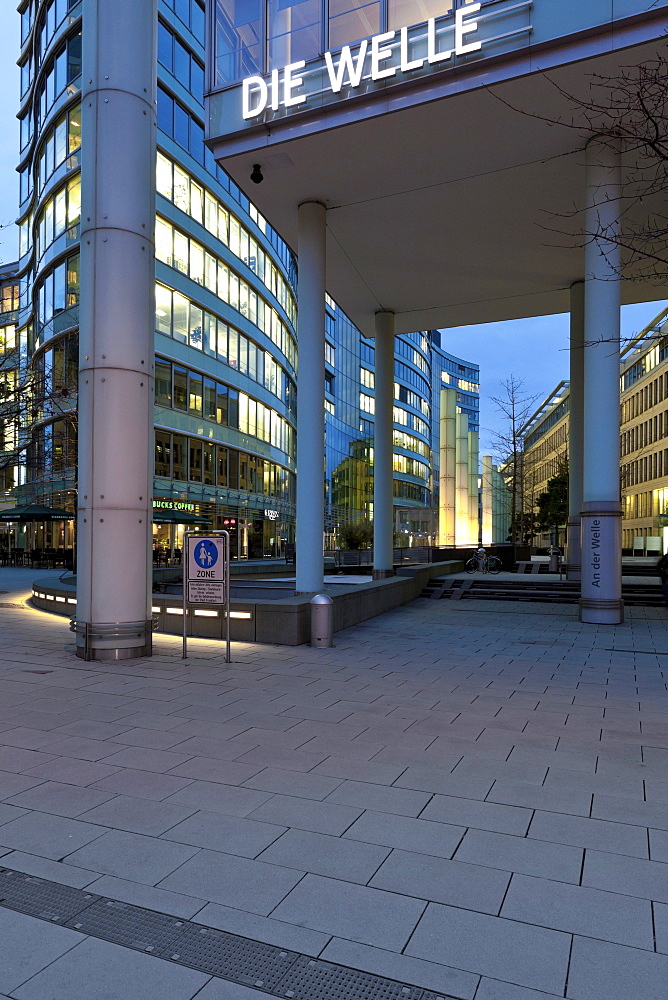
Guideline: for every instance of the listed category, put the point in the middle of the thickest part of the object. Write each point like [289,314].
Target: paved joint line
[267,968]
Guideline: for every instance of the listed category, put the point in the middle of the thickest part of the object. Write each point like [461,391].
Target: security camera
[257,176]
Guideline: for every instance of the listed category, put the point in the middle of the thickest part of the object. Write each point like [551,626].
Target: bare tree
[515,408]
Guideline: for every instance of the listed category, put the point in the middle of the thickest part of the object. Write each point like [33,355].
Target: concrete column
[117,319]
[474,448]
[487,501]
[311,398]
[601,585]
[575,431]
[462,482]
[383,448]
[447,443]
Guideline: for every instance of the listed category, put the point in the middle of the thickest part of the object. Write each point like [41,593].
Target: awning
[36,512]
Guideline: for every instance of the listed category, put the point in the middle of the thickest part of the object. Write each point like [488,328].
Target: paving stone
[28,945]
[493,947]
[471,767]
[131,856]
[493,989]
[72,771]
[201,746]
[308,786]
[16,759]
[443,881]
[153,738]
[59,799]
[98,970]
[619,873]
[520,854]
[305,814]
[661,927]
[381,798]
[602,971]
[143,784]
[11,784]
[218,989]
[481,815]
[52,871]
[125,812]
[28,739]
[228,800]
[575,802]
[658,845]
[233,881]
[323,855]
[414,971]
[579,910]
[360,770]
[214,769]
[420,835]
[291,760]
[627,810]
[138,894]
[93,730]
[82,749]
[258,928]
[355,912]
[229,834]
[48,836]
[592,833]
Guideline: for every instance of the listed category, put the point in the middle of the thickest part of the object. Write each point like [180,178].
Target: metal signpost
[206,577]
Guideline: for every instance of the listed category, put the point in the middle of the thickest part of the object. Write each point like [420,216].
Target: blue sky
[535,350]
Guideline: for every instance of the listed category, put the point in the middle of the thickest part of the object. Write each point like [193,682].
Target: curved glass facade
[225,296]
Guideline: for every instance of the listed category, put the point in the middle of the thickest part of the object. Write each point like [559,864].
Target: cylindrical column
[474,447]
[487,501]
[447,446]
[575,431]
[383,448]
[601,585]
[311,403]
[462,482]
[117,318]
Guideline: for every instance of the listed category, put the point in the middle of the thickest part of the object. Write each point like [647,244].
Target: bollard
[322,620]
[555,559]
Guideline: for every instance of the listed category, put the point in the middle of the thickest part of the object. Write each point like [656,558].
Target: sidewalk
[468,798]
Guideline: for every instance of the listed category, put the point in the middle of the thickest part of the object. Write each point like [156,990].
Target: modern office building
[224,341]
[643,399]
[10,406]
[414,155]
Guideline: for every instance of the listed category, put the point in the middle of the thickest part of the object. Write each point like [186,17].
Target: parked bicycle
[482,563]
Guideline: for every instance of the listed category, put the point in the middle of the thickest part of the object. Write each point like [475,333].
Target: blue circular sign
[206,553]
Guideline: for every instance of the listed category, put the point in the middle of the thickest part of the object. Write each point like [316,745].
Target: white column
[474,449]
[487,501]
[447,447]
[575,431]
[383,448]
[601,584]
[117,319]
[311,398]
[462,482]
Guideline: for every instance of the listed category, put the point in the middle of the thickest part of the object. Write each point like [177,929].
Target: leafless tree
[515,408]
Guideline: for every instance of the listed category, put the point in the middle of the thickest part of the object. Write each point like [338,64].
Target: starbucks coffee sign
[383,56]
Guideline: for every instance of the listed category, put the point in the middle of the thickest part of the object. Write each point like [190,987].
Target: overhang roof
[446,205]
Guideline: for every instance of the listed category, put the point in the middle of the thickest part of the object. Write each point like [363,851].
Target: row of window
[646,504]
[62,211]
[646,364]
[52,17]
[647,397]
[410,443]
[410,466]
[178,187]
[411,377]
[58,291]
[7,338]
[405,350]
[180,62]
[181,319]
[642,470]
[62,141]
[645,433]
[184,459]
[557,414]
[64,70]
[180,388]
[9,298]
[186,255]
[191,13]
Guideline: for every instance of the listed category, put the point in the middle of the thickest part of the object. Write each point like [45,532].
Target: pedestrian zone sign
[206,570]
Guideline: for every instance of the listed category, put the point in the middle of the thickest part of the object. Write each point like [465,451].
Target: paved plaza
[467,797]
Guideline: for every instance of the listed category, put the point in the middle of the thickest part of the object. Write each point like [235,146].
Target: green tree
[357,536]
[552,505]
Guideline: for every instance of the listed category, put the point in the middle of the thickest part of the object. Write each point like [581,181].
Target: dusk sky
[534,350]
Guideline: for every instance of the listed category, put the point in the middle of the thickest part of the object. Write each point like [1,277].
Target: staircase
[548,592]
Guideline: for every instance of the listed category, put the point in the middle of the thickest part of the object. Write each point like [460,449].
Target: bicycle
[484,563]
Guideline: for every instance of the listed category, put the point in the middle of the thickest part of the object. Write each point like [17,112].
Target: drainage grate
[310,979]
[265,967]
[39,898]
[132,926]
[230,957]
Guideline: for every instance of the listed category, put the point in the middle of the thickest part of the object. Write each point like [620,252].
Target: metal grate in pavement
[264,967]
[311,979]
[131,926]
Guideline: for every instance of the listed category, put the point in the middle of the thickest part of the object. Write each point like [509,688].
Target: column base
[117,641]
[382,574]
[601,568]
